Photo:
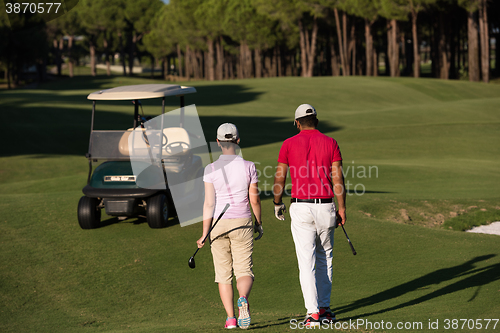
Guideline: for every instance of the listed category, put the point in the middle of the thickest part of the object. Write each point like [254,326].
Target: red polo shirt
[309,156]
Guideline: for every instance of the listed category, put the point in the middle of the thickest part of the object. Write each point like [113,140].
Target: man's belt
[315,201]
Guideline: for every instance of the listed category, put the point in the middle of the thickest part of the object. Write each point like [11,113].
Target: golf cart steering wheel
[176,147]
[164,139]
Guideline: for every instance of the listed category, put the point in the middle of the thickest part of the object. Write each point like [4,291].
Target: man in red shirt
[315,165]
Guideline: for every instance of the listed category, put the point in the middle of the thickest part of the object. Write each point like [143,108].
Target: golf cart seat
[177,143]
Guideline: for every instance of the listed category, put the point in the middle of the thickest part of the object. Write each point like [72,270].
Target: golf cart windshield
[107,144]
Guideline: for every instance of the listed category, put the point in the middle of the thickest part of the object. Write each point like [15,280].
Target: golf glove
[258,229]
[279,211]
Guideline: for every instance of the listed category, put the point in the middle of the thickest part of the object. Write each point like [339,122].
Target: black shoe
[326,315]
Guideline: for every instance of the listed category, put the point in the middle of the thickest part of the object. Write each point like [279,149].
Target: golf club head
[191,262]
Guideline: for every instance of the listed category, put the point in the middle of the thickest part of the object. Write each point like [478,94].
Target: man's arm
[278,187]
[279,181]
[339,190]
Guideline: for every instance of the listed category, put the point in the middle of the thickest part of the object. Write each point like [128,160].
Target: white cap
[227,132]
[304,110]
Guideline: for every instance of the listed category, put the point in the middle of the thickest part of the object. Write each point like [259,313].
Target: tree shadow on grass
[471,277]
[44,131]
[55,119]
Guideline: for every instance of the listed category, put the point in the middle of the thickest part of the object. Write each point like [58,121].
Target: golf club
[191,260]
[352,247]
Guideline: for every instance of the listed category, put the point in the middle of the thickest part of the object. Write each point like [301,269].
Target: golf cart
[136,162]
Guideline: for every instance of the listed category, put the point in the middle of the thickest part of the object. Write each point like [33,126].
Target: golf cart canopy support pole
[136,111]
[89,156]
[91,127]
[161,141]
[182,111]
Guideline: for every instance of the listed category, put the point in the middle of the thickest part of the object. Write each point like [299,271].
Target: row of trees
[224,39]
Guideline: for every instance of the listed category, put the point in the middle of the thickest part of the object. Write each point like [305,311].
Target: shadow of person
[480,277]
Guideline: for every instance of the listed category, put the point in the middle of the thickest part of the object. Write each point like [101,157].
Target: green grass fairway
[418,155]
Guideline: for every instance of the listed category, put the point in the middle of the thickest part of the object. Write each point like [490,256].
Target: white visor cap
[227,132]
[305,110]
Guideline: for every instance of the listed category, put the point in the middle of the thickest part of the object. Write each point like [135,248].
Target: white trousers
[313,226]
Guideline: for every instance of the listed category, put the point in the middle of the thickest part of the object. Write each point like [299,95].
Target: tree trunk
[393,47]
[106,55]
[461,60]
[308,48]
[58,48]
[375,62]
[131,55]
[388,54]
[272,57]
[443,50]
[473,48]
[187,61]
[220,59]
[497,54]
[334,59]
[277,53]
[70,56]
[485,41]
[198,64]
[352,48]
[311,48]
[248,62]
[346,42]
[210,60]
[164,68]
[179,60]
[288,64]
[369,47]
[205,72]
[416,53]
[241,62]
[17,75]
[153,60]
[258,62]
[92,58]
[267,66]
[341,47]
[122,53]
[303,51]
[295,70]
[230,67]
[454,35]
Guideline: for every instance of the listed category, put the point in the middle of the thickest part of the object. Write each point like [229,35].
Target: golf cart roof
[140,91]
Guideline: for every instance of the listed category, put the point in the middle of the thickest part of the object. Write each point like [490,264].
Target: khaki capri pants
[232,247]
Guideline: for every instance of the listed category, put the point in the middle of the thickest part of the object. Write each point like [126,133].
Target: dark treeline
[226,39]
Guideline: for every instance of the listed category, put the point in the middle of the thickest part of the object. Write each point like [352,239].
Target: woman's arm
[253,192]
[208,211]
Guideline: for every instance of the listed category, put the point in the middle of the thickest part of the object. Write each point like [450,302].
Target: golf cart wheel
[157,211]
[89,214]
